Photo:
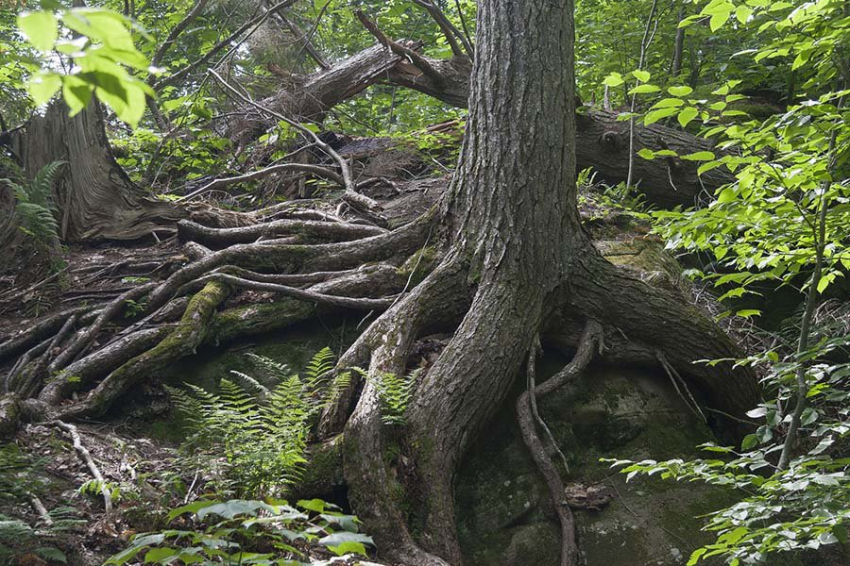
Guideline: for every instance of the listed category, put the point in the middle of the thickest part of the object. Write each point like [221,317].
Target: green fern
[394,393]
[35,206]
[252,438]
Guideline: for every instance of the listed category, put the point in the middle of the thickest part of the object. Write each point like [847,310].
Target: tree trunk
[516,246]
[95,198]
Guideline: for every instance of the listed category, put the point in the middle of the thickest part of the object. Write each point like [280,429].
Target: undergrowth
[250,439]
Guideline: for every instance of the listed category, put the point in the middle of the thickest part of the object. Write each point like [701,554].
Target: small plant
[34,205]
[242,531]
[19,540]
[94,488]
[394,392]
[252,438]
[133,308]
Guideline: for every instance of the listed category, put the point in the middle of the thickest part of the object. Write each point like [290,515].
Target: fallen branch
[84,454]
[418,60]
[351,195]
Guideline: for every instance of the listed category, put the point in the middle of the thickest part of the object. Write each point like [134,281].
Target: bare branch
[316,170]
[448,28]
[418,60]
[177,30]
[85,455]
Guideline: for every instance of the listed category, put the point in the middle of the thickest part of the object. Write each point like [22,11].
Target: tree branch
[418,60]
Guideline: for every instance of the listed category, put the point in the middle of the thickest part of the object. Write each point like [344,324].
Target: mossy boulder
[645,257]
[504,514]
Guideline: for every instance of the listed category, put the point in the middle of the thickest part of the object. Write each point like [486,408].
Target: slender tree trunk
[679,45]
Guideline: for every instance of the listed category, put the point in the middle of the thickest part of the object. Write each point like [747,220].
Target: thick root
[184,339]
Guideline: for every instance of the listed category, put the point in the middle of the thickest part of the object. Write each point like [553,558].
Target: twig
[39,508]
[85,455]
[351,196]
[674,376]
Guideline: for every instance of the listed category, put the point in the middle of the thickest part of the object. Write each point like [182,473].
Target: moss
[419,265]
[323,474]
[611,412]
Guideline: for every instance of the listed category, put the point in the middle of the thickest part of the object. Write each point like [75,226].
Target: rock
[643,256]
[10,416]
[505,517]
[536,544]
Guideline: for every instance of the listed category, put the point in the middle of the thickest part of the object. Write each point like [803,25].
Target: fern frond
[35,206]
[320,364]
[252,383]
[41,188]
[277,370]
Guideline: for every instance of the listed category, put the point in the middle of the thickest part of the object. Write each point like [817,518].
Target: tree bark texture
[95,198]
[511,228]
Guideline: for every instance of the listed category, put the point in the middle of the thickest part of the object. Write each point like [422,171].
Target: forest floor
[145,474]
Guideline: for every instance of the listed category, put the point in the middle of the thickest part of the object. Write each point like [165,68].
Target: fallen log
[602,143]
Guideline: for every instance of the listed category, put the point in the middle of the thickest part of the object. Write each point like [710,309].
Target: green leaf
[747,313]
[646,153]
[708,166]
[680,90]
[668,103]
[656,115]
[750,441]
[717,21]
[614,79]
[644,89]
[348,547]
[316,505]
[42,86]
[695,556]
[699,156]
[337,539]
[642,76]
[40,29]
[76,92]
[156,555]
[743,14]
[687,115]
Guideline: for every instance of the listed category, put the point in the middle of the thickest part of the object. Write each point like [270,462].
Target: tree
[516,254]
[513,268]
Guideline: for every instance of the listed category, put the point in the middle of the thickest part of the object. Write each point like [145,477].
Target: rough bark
[512,228]
[95,198]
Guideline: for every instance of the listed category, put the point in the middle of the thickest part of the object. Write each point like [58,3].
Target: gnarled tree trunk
[95,197]
[517,255]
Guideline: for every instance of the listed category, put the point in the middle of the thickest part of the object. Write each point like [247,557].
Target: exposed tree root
[526,410]
[184,339]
